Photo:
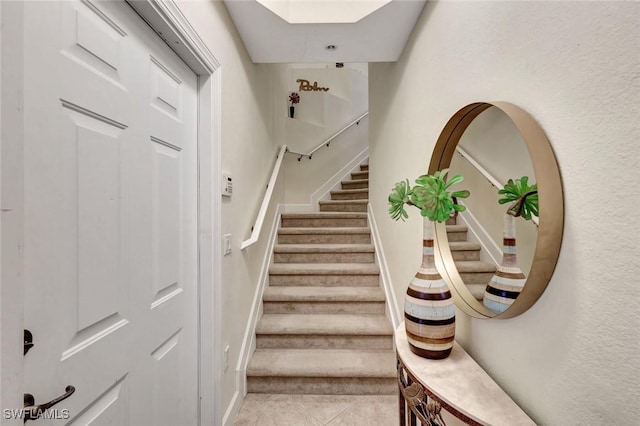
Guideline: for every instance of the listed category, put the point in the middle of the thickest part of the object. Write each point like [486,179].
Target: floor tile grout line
[339,414]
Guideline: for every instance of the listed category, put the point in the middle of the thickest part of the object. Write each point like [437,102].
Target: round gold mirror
[490,143]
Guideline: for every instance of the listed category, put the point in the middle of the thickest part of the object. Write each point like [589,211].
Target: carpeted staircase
[475,273]
[324,328]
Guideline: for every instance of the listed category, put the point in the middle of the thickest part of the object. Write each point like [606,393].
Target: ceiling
[297,31]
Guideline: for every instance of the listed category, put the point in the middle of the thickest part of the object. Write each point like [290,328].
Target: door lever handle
[28,341]
[33,412]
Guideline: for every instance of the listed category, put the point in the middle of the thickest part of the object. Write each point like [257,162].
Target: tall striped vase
[429,313]
[508,281]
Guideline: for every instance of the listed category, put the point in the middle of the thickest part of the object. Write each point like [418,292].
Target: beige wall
[248,153]
[253,127]
[318,117]
[572,359]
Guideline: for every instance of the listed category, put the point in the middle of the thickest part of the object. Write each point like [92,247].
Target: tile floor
[318,410]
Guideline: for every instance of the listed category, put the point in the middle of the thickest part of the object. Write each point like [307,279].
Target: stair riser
[323,257]
[323,222]
[322,280]
[270,341]
[348,207]
[364,167]
[466,255]
[343,307]
[476,277]
[324,239]
[457,236]
[360,175]
[341,196]
[355,185]
[323,386]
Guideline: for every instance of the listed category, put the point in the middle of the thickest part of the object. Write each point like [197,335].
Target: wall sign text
[306,86]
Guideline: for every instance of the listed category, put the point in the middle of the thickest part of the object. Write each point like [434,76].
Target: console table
[453,391]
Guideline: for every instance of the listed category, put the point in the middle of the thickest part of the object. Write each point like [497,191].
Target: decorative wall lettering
[306,86]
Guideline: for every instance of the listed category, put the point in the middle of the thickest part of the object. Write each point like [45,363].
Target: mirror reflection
[493,250]
[506,143]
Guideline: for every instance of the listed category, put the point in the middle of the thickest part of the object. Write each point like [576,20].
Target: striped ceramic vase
[508,281]
[429,313]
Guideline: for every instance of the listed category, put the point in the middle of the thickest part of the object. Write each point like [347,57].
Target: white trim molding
[249,339]
[385,277]
[249,343]
[481,236]
[166,19]
[324,192]
[12,208]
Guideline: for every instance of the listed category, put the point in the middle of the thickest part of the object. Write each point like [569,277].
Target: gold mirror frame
[551,209]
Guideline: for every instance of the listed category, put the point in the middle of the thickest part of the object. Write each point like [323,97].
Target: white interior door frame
[11,258]
[166,19]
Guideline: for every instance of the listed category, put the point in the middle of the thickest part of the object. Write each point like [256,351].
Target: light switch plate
[227,184]
[226,358]
[227,244]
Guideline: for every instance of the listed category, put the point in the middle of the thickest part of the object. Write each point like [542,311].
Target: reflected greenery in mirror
[505,142]
[523,196]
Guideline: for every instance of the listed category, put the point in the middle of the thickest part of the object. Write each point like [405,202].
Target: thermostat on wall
[227,185]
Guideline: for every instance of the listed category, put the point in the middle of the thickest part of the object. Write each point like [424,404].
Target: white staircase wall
[318,116]
[493,141]
[321,114]
[327,167]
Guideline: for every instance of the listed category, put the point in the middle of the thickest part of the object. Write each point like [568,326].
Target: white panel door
[110,218]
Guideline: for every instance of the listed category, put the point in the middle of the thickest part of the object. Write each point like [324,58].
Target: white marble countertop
[460,382]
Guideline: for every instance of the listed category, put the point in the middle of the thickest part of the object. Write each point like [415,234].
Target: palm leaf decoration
[523,196]
[431,195]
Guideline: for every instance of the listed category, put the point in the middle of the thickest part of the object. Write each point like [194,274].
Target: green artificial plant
[431,195]
[523,196]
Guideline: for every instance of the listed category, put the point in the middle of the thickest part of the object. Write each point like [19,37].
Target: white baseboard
[234,406]
[390,296]
[480,234]
[324,192]
[249,340]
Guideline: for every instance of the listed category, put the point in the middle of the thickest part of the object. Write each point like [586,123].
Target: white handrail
[492,180]
[331,138]
[255,233]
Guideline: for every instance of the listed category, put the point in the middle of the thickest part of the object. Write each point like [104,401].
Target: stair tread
[350,191]
[325,324]
[324,268]
[323,248]
[325,230]
[474,266]
[344,202]
[463,245]
[323,363]
[457,228]
[325,215]
[355,181]
[323,294]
